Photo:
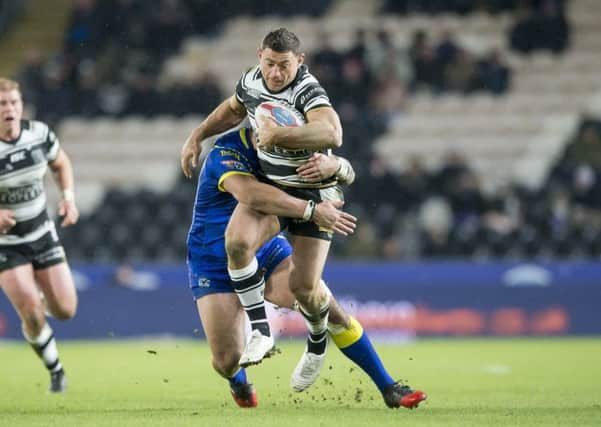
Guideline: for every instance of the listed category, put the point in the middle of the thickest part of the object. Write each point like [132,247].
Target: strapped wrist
[68,195]
[309,210]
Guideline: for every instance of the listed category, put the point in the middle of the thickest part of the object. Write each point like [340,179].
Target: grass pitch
[519,382]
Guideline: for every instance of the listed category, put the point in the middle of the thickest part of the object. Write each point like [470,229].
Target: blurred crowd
[113,53]
[111,61]
[378,76]
[446,212]
[10,11]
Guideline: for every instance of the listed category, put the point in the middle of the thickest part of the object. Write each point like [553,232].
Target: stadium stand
[458,142]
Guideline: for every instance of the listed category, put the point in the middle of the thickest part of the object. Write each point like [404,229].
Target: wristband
[309,210]
[68,195]
[345,173]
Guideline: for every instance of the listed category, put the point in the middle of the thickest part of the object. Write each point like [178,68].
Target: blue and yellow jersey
[233,153]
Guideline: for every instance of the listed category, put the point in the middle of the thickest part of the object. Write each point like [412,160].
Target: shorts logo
[203,282]
[3,258]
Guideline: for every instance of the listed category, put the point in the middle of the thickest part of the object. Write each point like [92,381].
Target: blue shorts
[269,257]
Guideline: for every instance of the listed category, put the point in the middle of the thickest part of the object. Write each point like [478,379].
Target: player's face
[279,69]
[11,108]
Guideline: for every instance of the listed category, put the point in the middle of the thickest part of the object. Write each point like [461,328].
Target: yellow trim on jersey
[347,337]
[243,137]
[225,175]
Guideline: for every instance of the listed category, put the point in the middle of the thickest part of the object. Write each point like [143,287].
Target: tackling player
[32,259]
[227,177]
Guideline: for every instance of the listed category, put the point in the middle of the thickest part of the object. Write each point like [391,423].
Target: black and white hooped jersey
[304,93]
[23,164]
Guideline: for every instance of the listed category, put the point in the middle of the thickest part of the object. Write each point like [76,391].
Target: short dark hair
[282,40]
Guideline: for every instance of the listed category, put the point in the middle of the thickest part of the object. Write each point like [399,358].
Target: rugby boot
[258,347]
[307,371]
[58,382]
[244,395]
[397,395]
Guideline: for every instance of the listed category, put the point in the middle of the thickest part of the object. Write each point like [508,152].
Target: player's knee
[225,364]
[301,287]
[65,312]
[237,247]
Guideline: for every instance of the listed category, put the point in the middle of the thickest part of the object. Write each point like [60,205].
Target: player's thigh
[56,282]
[222,320]
[277,290]
[18,283]
[249,229]
[308,259]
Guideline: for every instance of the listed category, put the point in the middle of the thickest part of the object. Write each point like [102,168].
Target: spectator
[493,75]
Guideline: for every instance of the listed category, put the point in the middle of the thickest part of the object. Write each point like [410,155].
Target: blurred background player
[33,270]
[226,179]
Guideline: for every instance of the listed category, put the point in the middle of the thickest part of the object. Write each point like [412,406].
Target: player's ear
[301,58]
[259,53]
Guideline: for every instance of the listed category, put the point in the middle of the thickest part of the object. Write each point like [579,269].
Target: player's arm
[228,114]
[63,173]
[323,130]
[321,166]
[271,201]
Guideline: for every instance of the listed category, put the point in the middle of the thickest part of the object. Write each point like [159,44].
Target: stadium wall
[393,301]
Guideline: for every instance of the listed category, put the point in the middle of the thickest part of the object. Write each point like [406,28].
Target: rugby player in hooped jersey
[32,260]
[281,76]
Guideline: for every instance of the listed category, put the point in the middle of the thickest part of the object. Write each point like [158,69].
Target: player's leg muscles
[278,292]
[276,288]
[246,232]
[222,319]
[56,282]
[223,322]
[20,287]
[308,261]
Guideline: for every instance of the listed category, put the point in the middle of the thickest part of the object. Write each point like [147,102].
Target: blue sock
[239,378]
[356,345]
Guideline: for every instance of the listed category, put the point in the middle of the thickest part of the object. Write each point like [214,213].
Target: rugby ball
[280,113]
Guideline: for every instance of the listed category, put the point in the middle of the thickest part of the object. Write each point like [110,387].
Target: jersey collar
[23,126]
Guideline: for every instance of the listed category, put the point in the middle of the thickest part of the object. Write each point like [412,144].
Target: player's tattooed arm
[228,114]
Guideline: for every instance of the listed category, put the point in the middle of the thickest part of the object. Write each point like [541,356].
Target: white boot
[258,347]
[307,370]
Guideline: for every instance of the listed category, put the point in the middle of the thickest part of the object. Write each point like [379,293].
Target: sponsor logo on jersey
[234,154]
[22,194]
[233,164]
[17,157]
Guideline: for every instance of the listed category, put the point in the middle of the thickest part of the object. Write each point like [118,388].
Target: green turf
[470,383]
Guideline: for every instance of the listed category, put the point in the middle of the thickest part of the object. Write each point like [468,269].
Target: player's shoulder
[305,78]
[251,74]
[237,140]
[37,128]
